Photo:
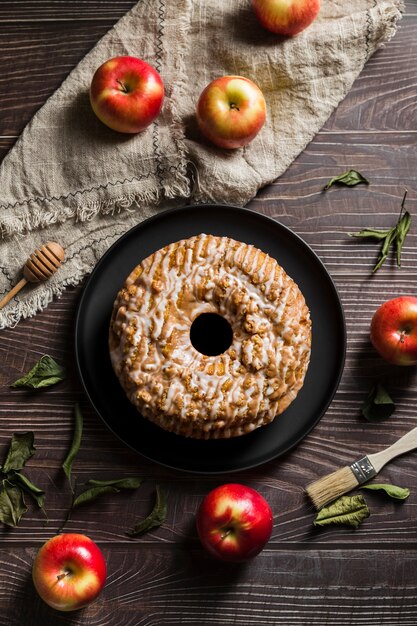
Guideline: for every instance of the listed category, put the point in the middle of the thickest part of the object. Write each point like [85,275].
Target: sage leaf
[12,504]
[20,450]
[91,494]
[378,404]
[383,254]
[22,481]
[45,373]
[372,233]
[393,491]
[155,518]
[403,227]
[75,446]
[349,178]
[14,484]
[133,482]
[389,237]
[350,510]
[101,487]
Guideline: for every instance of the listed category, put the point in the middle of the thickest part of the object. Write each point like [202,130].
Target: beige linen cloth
[71,179]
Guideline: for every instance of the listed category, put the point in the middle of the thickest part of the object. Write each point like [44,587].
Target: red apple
[231,111]
[286,17]
[394,330]
[234,522]
[69,571]
[126,94]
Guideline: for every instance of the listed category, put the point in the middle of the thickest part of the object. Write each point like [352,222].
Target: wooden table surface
[305,575]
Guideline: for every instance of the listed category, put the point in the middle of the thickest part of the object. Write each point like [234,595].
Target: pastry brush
[330,487]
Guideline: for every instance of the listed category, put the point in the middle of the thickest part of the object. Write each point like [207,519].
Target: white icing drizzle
[173,384]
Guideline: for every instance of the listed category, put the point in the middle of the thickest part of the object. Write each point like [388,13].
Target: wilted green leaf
[403,227]
[390,236]
[45,373]
[91,494]
[383,254]
[393,491]
[350,510]
[14,484]
[372,233]
[12,504]
[22,481]
[349,178]
[102,487]
[155,518]
[75,446]
[20,450]
[132,482]
[378,404]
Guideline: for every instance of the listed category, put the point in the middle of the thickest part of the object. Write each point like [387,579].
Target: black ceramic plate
[264,444]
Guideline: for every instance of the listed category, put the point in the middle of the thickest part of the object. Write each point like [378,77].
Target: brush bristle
[330,487]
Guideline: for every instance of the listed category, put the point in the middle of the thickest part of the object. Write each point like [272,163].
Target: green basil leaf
[12,504]
[20,450]
[75,446]
[22,481]
[133,482]
[378,404]
[393,491]
[155,518]
[350,510]
[91,494]
[349,178]
[45,373]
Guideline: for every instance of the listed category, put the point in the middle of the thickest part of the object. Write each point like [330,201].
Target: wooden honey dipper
[40,266]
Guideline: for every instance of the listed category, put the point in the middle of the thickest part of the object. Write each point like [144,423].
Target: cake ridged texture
[184,391]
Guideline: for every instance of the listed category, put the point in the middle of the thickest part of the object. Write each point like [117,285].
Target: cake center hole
[211,334]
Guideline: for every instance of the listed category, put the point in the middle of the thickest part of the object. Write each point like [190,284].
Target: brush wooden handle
[405,444]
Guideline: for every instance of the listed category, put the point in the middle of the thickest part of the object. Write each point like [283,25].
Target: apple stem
[61,576]
[225,534]
[402,335]
[234,106]
[122,85]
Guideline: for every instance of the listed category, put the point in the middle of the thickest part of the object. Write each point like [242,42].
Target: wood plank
[410,8]
[382,96]
[67,42]
[21,11]
[152,585]
[338,439]
[323,220]
[305,575]
[47,10]
[372,104]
